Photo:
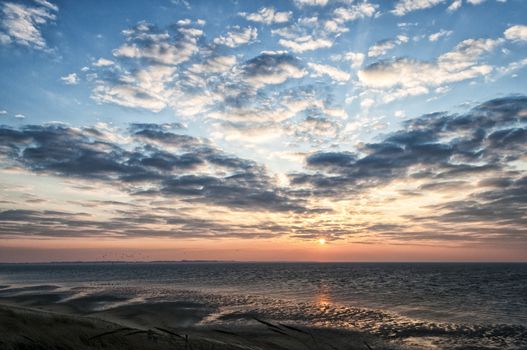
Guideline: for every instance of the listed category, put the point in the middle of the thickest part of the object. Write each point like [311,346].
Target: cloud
[218,64]
[356,58]
[516,33]
[184,167]
[239,36]
[23,24]
[405,76]
[450,153]
[445,146]
[336,23]
[145,88]
[145,41]
[316,130]
[454,6]
[471,158]
[405,6]
[267,15]
[302,3]
[436,36]
[313,33]
[103,62]
[384,46]
[272,69]
[332,72]
[354,12]
[306,44]
[70,79]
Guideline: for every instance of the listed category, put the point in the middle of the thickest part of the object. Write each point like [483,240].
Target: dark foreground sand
[28,328]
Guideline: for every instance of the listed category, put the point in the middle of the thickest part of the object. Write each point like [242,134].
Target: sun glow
[321,241]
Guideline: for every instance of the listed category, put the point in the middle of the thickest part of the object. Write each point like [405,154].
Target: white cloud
[4,39]
[184,22]
[70,79]
[145,42]
[352,13]
[306,34]
[381,48]
[436,36]
[267,15]
[455,5]
[306,44]
[367,103]
[217,64]
[384,46]
[332,72]
[517,32]
[399,113]
[3,111]
[272,70]
[403,77]
[20,116]
[22,24]
[145,88]
[103,62]
[405,6]
[512,67]
[356,58]
[301,3]
[238,37]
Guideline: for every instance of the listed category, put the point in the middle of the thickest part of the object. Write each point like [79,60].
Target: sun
[321,241]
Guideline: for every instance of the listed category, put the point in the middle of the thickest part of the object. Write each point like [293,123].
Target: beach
[146,327]
[261,306]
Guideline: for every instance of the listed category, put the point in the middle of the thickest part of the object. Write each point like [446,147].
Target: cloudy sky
[156,130]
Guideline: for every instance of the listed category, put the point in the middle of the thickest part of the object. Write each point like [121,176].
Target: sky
[320,130]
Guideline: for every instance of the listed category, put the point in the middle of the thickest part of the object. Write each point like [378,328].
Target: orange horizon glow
[286,250]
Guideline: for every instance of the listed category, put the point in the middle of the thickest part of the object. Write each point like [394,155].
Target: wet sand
[32,318]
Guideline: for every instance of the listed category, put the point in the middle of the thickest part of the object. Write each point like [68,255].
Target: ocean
[433,305]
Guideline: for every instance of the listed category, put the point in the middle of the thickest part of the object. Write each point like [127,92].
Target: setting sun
[322,241]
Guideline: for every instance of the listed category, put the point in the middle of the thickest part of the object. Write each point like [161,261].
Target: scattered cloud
[167,164]
[407,76]
[438,35]
[267,15]
[272,69]
[382,47]
[239,36]
[306,44]
[405,6]
[23,24]
[70,79]
[516,33]
[356,58]
[302,3]
[146,41]
[103,62]
[332,72]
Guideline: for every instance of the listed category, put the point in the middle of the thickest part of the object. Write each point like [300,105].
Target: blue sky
[291,90]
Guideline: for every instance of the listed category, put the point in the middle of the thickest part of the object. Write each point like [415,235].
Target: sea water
[444,304]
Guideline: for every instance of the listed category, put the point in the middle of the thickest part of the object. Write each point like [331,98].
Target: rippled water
[459,304]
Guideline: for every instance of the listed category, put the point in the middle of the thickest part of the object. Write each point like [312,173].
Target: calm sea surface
[454,301]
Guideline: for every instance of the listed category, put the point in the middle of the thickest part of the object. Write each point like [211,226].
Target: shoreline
[222,317]
[32,328]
